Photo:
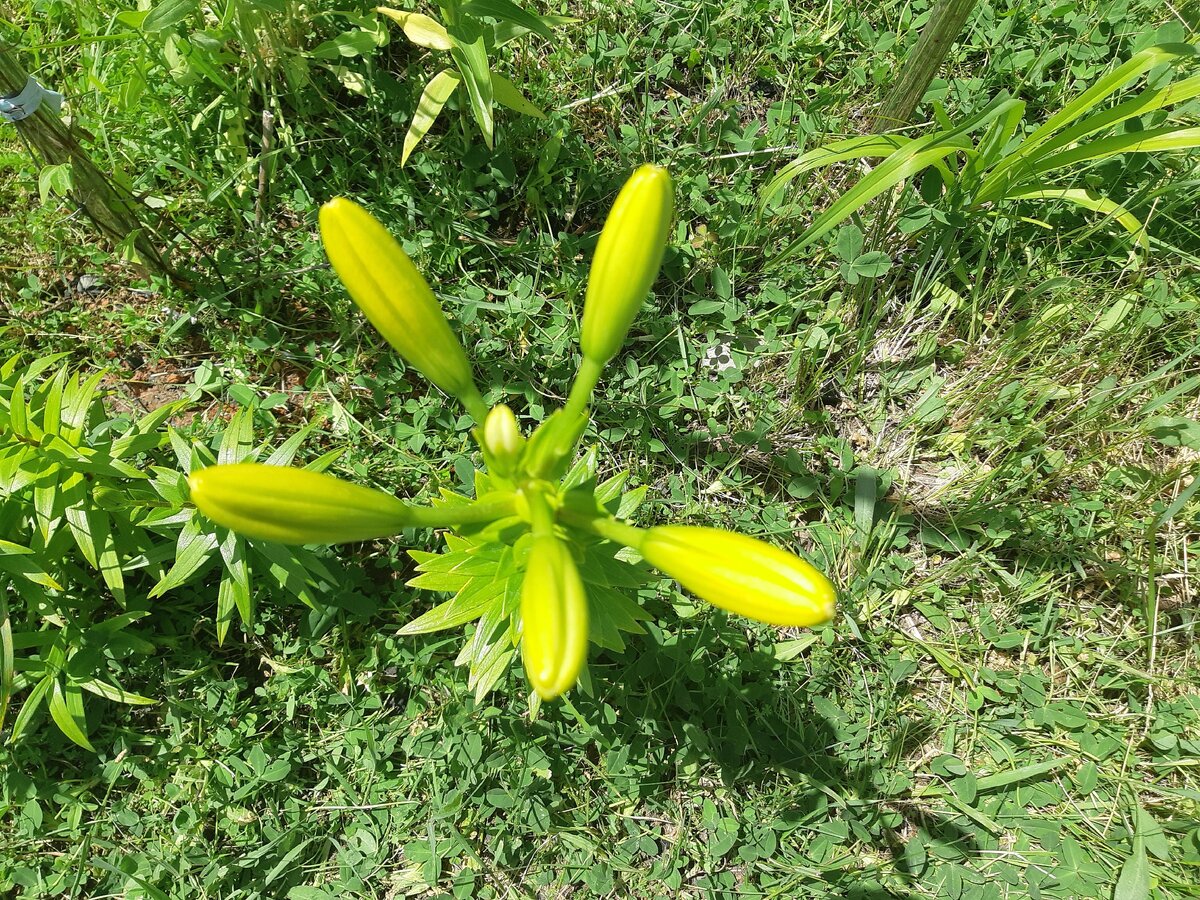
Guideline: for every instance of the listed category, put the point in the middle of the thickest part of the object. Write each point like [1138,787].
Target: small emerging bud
[554,617]
[549,449]
[294,506]
[386,286]
[502,439]
[741,574]
[627,261]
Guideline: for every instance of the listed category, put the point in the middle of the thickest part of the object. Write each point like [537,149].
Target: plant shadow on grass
[715,700]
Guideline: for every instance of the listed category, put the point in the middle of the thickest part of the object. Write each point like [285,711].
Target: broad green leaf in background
[167,14]
[509,95]
[54,179]
[433,98]
[1151,141]
[1134,880]
[507,11]
[66,708]
[420,29]
[855,148]
[472,62]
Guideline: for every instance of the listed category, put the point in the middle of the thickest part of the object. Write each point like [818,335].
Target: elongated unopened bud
[741,574]
[502,439]
[294,506]
[627,261]
[554,618]
[393,295]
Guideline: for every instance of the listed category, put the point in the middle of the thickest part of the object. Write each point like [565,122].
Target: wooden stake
[946,22]
[113,210]
[264,168]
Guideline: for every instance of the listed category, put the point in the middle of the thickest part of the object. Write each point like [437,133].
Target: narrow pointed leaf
[1101,90]
[855,148]
[1082,198]
[114,693]
[469,604]
[1153,141]
[33,702]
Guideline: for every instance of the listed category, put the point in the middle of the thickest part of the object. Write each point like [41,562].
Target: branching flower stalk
[533,527]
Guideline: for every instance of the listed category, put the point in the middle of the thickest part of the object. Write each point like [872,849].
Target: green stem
[586,380]
[540,515]
[606,527]
[441,516]
[476,408]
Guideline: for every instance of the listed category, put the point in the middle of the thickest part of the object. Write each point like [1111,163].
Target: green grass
[994,465]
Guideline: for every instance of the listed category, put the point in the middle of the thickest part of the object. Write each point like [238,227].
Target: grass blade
[1143,103]
[114,693]
[913,157]
[29,708]
[1168,514]
[898,167]
[854,148]
[1137,65]
[1022,773]
[999,133]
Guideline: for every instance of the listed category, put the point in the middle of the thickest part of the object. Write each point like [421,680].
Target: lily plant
[539,556]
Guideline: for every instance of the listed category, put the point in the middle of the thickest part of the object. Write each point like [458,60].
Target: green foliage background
[996,465]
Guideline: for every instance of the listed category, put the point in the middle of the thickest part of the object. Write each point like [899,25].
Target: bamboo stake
[113,210]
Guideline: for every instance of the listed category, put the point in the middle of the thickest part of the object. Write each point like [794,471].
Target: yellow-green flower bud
[554,618]
[502,439]
[294,506]
[741,574]
[627,261]
[393,295]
